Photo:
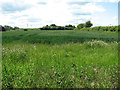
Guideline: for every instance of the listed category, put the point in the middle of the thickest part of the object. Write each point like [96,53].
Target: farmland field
[56,37]
[59,59]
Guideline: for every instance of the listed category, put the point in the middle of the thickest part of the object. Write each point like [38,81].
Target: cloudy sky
[37,13]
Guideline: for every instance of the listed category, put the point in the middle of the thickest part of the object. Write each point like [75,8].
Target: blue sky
[37,13]
[110,16]
[119,13]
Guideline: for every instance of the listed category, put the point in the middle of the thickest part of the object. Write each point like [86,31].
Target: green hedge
[101,28]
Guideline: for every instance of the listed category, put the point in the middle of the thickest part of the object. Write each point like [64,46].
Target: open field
[56,37]
[59,59]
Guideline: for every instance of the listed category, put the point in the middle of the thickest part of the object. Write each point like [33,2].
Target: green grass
[61,63]
[58,66]
[56,37]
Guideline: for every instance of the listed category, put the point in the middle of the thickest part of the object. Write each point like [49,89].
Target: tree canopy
[80,26]
[55,27]
[88,24]
[7,28]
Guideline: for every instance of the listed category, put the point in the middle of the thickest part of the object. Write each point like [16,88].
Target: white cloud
[85,12]
[103,0]
[46,12]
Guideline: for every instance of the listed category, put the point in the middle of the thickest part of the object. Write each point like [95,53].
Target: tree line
[101,28]
[55,27]
[67,27]
[7,28]
[87,27]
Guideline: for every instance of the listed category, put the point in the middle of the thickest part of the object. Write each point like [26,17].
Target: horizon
[35,14]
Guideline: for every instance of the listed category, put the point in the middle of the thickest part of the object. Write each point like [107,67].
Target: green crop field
[59,59]
[56,37]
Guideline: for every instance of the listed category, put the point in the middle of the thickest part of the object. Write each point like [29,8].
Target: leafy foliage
[88,24]
[25,29]
[7,28]
[80,26]
[55,27]
[16,28]
[100,28]
[2,28]
[52,25]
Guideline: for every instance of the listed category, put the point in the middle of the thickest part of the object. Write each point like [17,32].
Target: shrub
[25,29]
[88,24]
[80,26]
[101,28]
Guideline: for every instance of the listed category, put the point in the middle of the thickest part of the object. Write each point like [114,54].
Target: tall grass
[80,65]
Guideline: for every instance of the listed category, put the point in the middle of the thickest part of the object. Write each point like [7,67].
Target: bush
[15,28]
[88,24]
[25,29]
[2,29]
[7,28]
[80,26]
[54,27]
[101,28]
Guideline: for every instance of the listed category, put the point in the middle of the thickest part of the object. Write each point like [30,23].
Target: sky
[38,13]
[119,13]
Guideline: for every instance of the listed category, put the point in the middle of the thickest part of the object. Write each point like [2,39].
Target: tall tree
[52,25]
[16,28]
[88,24]
[80,26]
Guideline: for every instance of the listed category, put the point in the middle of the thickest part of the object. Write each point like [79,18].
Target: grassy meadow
[59,59]
[56,37]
